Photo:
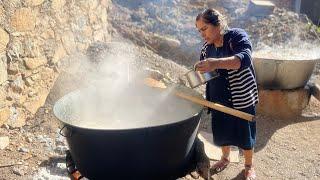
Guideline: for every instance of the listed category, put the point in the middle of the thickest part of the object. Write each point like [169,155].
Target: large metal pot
[283,74]
[159,149]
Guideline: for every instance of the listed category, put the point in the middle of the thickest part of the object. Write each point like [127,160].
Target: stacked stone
[35,35]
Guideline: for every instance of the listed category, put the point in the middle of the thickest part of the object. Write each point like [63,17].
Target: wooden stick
[157,84]
[216,106]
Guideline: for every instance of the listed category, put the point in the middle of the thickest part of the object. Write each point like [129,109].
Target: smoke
[114,96]
[293,50]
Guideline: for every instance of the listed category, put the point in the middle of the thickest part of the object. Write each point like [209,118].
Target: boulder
[260,8]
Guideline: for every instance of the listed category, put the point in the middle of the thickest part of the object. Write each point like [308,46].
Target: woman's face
[209,32]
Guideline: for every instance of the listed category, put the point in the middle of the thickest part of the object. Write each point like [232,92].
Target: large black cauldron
[157,149]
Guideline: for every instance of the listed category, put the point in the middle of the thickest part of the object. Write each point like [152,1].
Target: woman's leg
[248,164]
[248,156]
[223,162]
[226,152]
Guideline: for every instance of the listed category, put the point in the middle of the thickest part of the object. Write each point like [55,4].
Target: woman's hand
[207,65]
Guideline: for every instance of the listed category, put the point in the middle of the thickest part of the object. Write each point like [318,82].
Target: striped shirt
[235,88]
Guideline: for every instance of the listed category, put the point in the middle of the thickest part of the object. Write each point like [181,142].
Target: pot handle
[65,131]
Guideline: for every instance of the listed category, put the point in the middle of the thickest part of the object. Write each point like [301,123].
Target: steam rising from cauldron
[295,50]
[114,96]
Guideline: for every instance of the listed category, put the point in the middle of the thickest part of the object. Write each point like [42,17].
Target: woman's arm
[240,46]
[211,64]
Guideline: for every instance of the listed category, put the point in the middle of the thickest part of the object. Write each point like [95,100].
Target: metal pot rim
[284,60]
[58,103]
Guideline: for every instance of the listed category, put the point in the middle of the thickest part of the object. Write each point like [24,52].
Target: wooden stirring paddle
[157,84]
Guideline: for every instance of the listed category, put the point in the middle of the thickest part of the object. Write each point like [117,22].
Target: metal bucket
[283,74]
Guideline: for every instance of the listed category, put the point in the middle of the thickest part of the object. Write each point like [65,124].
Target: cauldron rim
[127,129]
[55,112]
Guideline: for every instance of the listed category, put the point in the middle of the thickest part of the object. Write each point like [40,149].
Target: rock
[18,171]
[315,90]
[104,17]
[57,5]
[33,104]
[166,43]
[3,69]
[61,166]
[196,2]
[13,68]
[4,142]
[5,126]
[23,19]
[105,3]
[3,95]
[253,19]
[32,94]
[33,3]
[2,13]
[88,5]
[29,139]
[29,82]
[48,34]
[260,8]
[4,40]
[202,160]
[155,74]
[99,35]
[87,31]
[68,42]
[4,115]
[33,63]
[23,149]
[17,85]
[17,117]
[31,48]
[212,3]
[61,149]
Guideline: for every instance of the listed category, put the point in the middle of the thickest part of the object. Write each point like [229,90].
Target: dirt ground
[285,149]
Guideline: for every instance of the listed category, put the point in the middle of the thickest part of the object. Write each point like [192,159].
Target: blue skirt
[230,130]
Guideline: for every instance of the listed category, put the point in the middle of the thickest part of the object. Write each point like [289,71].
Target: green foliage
[318,29]
[311,26]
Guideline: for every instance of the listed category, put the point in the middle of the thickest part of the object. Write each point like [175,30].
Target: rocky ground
[286,148]
[168,27]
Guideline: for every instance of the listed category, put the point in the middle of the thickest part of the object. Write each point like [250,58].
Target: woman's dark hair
[212,16]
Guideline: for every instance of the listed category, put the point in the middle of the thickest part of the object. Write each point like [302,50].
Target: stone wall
[35,35]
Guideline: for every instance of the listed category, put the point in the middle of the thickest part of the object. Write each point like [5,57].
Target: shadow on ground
[267,126]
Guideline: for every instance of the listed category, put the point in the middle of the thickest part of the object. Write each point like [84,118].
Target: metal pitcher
[195,78]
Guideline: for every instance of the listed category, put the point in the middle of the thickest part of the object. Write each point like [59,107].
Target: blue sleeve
[242,48]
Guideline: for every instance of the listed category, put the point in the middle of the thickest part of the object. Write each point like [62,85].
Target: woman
[228,51]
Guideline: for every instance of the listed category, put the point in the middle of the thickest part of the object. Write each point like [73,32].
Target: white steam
[115,97]
[294,50]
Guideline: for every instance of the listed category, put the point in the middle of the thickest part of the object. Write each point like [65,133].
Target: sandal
[220,165]
[249,173]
